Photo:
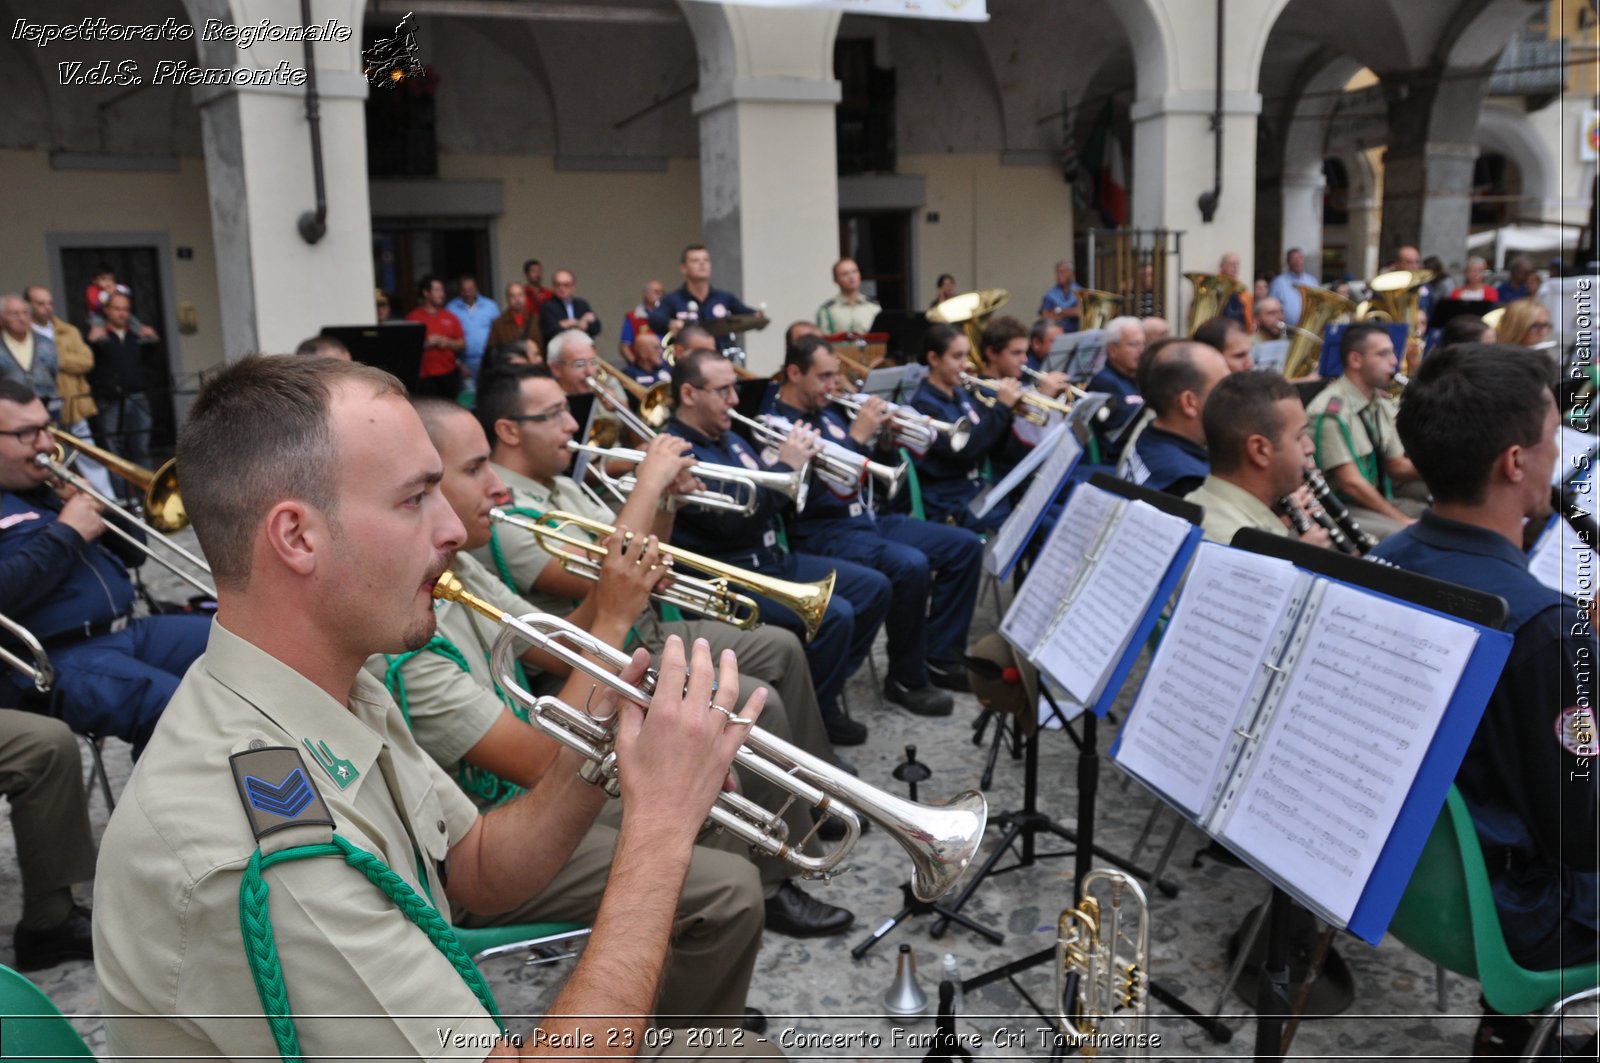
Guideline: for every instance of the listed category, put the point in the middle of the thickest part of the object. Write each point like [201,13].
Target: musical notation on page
[1059,561]
[1561,560]
[1064,451]
[1089,635]
[1202,681]
[1363,699]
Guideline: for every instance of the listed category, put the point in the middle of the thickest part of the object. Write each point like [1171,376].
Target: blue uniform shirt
[1528,777]
[51,581]
[825,509]
[649,377]
[951,478]
[717,304]
[1126,404]
[718,533]
[1166,461]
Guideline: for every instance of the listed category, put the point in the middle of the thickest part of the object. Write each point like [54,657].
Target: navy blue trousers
[933,569]
[860,603]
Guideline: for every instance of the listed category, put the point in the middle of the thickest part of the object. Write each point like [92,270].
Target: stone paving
[812,989]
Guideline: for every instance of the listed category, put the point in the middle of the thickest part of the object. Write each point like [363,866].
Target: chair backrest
[913,486]
[31,1027]
[1448,915]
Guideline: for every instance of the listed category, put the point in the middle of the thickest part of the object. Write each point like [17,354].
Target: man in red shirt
[440,374]
[533,280]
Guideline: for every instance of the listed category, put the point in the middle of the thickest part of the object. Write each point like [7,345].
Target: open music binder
[1313,723]
[1055,456]
[1099,585]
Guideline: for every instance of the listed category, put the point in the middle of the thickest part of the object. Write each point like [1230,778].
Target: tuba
[1096,307]
[1318,308]
[941,840]
[1212,293]
[972,311]
[1103,961]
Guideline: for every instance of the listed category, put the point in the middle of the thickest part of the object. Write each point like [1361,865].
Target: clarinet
[1336,510]
[1303,523]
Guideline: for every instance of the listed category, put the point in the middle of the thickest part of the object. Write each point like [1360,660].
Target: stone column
[1427,168]
[769,186]
[276,289]
[1302,215]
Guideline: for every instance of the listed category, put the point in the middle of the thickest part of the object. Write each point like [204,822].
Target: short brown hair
[1001,331]
[259,433]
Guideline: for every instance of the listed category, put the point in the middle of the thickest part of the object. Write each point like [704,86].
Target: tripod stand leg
[971,924]
[880,933]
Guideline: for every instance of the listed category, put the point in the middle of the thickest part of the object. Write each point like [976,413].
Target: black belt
[89,630]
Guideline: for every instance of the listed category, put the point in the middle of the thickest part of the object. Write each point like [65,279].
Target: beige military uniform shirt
[520,553]
[362,978]
[837,315]
[1345,425]
[1230,507]
[451,710]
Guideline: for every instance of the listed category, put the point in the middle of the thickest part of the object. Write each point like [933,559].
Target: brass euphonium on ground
[1103,960]
[940,839]
[1318,307]
[710,596]
[1095,307]
[1212,292]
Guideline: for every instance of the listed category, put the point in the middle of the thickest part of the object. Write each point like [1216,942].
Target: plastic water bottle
[950,972]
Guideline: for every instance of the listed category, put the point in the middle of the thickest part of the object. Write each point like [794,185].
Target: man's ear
[294,534]
[1512,464]
[1258,450]
[508,432]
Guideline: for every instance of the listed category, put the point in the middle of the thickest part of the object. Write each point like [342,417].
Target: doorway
[880,243]
[405,251]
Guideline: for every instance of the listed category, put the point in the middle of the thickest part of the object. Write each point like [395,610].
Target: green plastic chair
[486,943]
[1447,916]
[31,1027]
[913,485]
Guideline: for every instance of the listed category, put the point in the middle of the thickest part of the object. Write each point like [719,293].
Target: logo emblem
[391,60]
[339,770]
[1575,731]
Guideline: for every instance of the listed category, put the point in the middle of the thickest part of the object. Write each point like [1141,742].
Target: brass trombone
[161,494]
[163,506]
[743,500]
[40,670]
[581,557]
[940,839]
[1034,407]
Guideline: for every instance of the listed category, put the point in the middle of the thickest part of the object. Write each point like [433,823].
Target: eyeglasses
[541,418]
[727,391]
[27,436]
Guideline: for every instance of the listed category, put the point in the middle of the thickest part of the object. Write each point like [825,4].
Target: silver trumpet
[841,467]
[742,496]
[911,428]
[940,839]
[1103,959]
[40,670]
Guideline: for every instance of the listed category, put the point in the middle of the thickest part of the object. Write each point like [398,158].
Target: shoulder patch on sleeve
[1575,731]
[277,791]
[1334,406]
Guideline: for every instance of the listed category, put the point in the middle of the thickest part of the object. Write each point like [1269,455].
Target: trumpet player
[933,567]
[67,582]
[530,428]
[1007,353]
[1358,447]
[1259,441]
[952,478]
[315,493]
[705,391]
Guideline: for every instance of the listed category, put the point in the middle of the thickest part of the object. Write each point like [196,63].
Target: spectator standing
[25,356]
[533,280]
[637,320]
[1060,303]
[120,385]
[441,373]
[1521,283]
[943,288]
[1240,305]
[567,310]
[1473,289]
[1283,285]
[477,314]
[849,311]
[75,363]
[518,325]
[697,300]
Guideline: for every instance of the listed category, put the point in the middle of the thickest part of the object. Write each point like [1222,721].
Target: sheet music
[1091,633]
[1030,461]
[1368,689]
[1562,561]
[1202,682]
[1060,559]
[1015,532]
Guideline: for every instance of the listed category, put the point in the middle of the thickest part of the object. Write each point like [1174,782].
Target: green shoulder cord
[504,570]
[295,801]
[485,785]
[1367,467]
[261,947]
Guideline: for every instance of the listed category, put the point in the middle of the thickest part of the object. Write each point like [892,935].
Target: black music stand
[1083,839]
[395,346]
[1272,985]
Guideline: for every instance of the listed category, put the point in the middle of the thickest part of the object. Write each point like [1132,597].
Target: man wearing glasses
[63,579]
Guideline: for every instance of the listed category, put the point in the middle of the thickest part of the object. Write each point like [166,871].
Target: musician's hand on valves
[1052,385]
[630,570]
[667,461]
[673,760]
[870,419]
[1009,393]
[801,445]
[81,513]
[1317,535]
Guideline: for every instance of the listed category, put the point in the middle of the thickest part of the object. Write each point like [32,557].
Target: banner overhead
[955,10]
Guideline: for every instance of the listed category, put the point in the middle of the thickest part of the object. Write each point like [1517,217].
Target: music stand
[1088,784]
[1479,607]
[906,329]
[394,346]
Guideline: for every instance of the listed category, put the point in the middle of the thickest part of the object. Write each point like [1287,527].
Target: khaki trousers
[42,775]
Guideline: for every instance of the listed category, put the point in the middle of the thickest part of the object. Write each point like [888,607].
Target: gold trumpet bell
[1212,293]
[163,505]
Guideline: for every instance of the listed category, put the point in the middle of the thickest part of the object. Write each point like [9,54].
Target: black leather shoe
[843,731]
[795,912]
[755,1020]
[72,939]
[950,675]
[923,701]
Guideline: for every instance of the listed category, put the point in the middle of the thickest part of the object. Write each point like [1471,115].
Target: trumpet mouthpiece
[447,588]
